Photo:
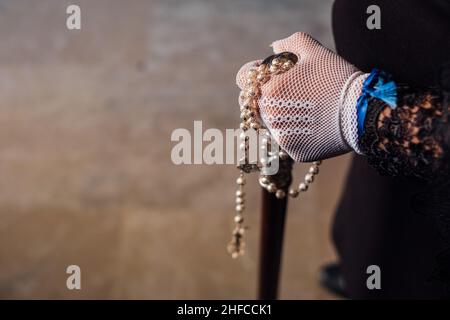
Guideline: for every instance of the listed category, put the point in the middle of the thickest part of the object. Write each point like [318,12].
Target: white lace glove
[311,109]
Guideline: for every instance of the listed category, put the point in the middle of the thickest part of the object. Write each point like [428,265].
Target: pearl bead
[240,181]
[262,69]
[272,188]
[240,193]
[276,61]
[262,78]
[243,126]
[239,200]
[287,65]
[317,163]
[253,91]
[247,102]
[264,180]
[303,187]
[283,155]
[254,126]
[293,193]
[252,73]
[238,219]
[309,178]
[280,194]
[273,69]
[250,120]
[314,170]
[240,208]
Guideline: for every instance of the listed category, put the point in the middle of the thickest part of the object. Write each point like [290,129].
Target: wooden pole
[271,245]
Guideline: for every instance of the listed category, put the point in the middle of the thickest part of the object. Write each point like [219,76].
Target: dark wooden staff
[272,232]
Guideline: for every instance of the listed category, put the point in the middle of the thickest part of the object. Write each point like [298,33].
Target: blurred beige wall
[85,170]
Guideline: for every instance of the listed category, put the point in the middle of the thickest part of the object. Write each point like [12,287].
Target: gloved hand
[310,110]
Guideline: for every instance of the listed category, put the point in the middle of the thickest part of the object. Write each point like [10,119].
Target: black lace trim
[377,158]
[411,140]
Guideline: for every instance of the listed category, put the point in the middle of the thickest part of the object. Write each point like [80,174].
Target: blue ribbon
[377,85]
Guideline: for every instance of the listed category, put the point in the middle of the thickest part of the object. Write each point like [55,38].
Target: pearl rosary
[277,184]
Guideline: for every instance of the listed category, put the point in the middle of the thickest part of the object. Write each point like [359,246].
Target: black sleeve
[412,140]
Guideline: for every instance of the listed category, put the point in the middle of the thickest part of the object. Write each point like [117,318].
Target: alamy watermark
[73,281]
[374,280]
[234,146]
[73,21]
[373,22]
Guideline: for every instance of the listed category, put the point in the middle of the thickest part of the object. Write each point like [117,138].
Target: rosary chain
[273,65]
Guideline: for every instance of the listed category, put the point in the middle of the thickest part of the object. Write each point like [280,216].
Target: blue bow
[377,85]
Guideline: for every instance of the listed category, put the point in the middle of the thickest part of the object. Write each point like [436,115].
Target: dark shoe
[330,277]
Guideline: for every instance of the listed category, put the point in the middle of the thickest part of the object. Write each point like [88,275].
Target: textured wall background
[85,170]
